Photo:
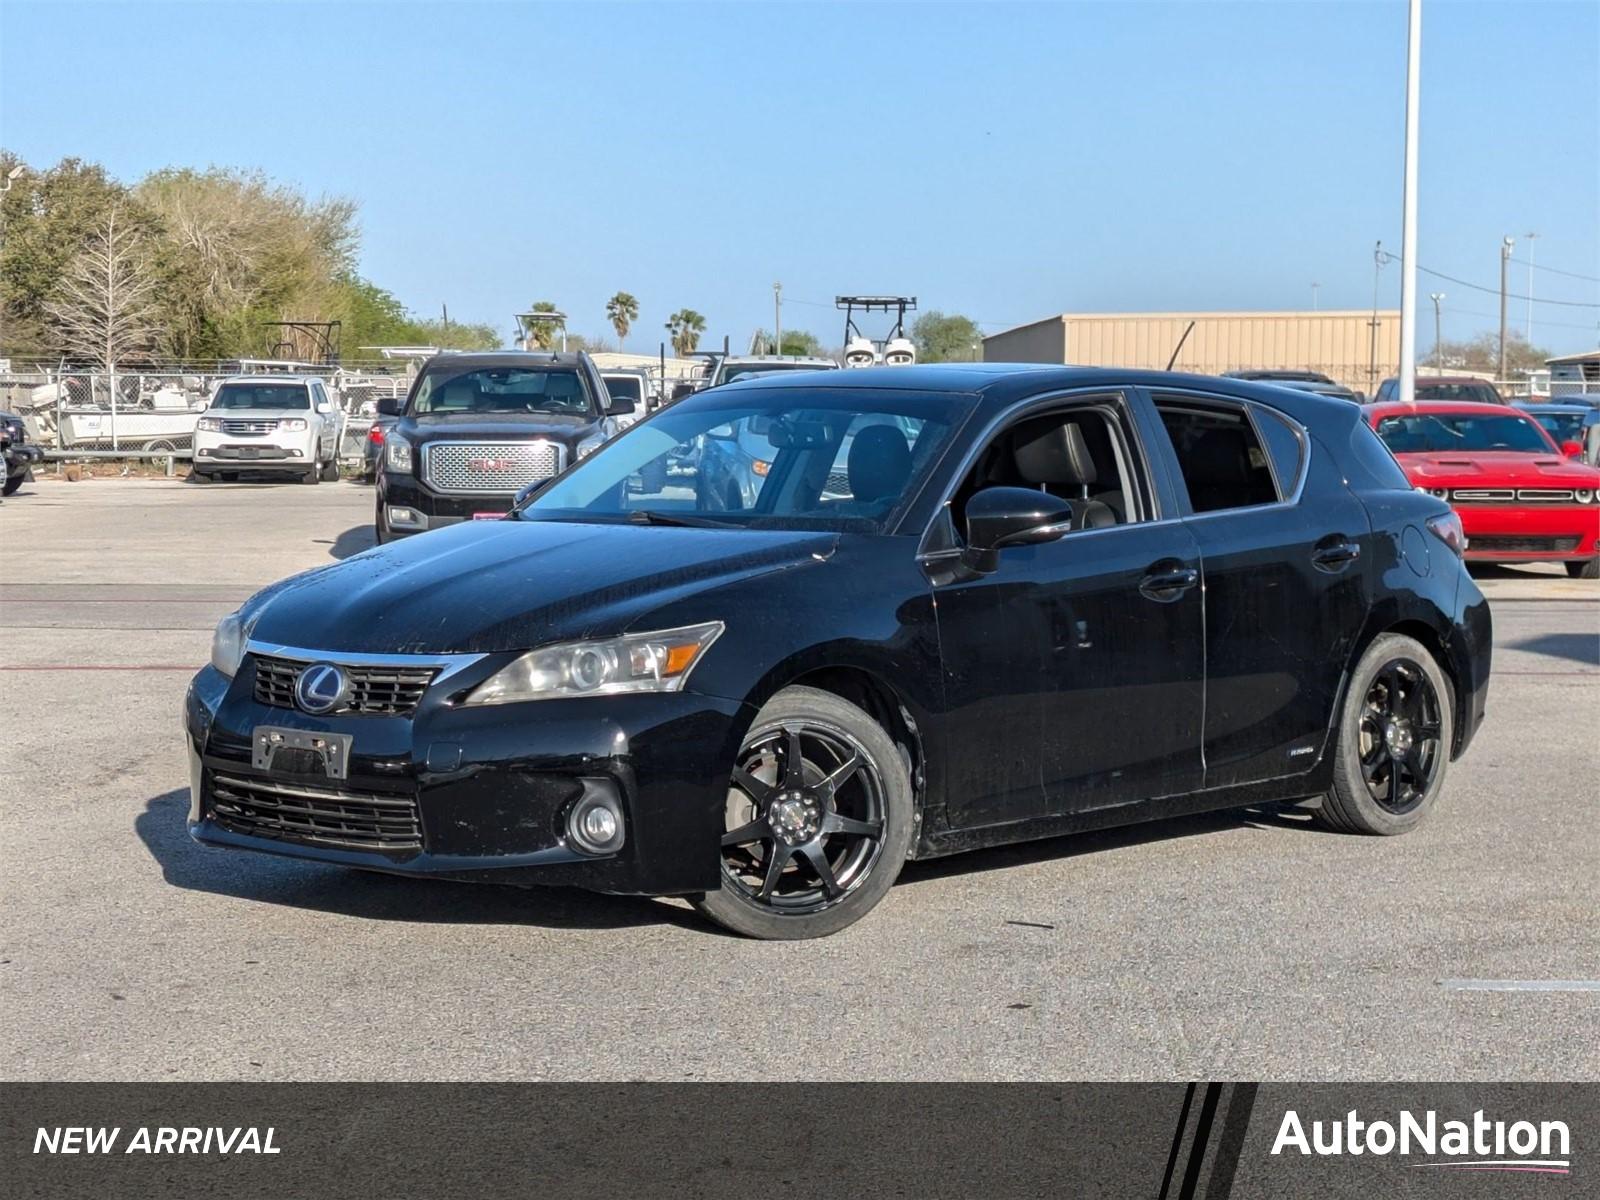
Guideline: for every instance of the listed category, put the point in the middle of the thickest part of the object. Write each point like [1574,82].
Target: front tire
[1393,747]
[1588,569]
[12,483]
[330,471]
[819,820]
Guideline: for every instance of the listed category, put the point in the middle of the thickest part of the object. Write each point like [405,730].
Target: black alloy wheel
[1395,734]
[817,819]
[1399,736]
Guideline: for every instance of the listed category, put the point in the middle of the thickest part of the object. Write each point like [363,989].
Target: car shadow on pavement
[1074,844]
[1579,647]
[374,896]
[352,541]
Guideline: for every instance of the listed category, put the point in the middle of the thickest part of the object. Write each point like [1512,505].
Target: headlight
[209,424]
[397,454]
[590,444]
[635,662]
[292,424]
[1584,495]
[228,643]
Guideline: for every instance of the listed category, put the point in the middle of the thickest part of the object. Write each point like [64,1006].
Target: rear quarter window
[1371,457]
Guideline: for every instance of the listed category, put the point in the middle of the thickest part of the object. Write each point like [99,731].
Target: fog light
[595,823]
[399,515]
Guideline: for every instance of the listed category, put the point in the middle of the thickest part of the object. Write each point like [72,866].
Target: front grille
[374,690]
[1507,495]
[1522,545]
[247,427]
[316,816]
[491,466]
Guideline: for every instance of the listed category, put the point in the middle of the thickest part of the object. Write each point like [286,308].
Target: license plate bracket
[331,749]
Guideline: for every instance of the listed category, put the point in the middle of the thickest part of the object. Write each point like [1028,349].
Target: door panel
[1074,689]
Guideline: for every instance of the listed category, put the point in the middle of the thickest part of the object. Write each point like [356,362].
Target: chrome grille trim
[464,467]
[256,428]
[1547,495]
[1482,495]
[375,689]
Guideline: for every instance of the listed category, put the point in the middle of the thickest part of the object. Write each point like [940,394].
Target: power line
[1556,270]
[1386,258]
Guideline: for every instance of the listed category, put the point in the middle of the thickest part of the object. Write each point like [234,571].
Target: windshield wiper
[650,516]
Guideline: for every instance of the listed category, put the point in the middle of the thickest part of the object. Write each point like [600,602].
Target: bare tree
[105,306]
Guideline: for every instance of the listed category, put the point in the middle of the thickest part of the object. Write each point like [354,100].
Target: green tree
[1482,353]
[456,336]
[939,337]
[685,327]
[795,341]
[622,310]
[545,335]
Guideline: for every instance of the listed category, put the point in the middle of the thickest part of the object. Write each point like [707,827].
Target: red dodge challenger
[1521,498]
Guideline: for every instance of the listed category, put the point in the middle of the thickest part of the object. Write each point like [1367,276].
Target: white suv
[269,423]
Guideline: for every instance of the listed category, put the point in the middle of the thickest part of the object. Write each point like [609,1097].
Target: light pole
[1530,237]
[1438,336]
[1372,325]
[1408,207]
[1505,263]
[1314,287]
[777,318]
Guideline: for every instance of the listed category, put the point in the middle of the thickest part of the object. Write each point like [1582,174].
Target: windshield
[1476,393]
[261,395]
[1563,427]
[445,389]
[763,459]
[1443,433]
[626,391]
[751,370]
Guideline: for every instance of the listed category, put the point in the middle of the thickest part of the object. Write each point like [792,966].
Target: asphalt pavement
[1241,945]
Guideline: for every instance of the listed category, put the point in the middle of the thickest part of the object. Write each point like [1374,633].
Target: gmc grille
[374,690]
[494,467]
[316,816]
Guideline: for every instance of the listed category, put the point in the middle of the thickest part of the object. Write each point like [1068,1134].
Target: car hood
[483,586]
[1489,468]
[501,427]
[257,414]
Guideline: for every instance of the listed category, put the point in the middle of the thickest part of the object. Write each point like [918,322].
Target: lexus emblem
[321,688]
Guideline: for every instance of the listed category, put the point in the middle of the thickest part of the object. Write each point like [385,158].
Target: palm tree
[685,326]
[622,310]
[544,333]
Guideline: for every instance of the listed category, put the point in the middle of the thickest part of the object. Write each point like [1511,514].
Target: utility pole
[1408,212]
[1530,237]
[1372,325]
[1314,287]
[1505,266]
[777,318]
[1438,336]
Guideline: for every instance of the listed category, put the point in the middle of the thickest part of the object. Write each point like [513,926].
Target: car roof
[1553,407]
[271,377]
[509,358]
[1439,380]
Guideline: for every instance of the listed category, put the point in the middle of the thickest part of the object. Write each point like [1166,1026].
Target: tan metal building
[1339,344]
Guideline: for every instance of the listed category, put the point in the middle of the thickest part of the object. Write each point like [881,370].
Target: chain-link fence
[154,411]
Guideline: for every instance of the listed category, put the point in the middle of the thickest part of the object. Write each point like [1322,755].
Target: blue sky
[1004,160]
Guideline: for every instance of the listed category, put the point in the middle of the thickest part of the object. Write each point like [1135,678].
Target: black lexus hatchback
[961,606]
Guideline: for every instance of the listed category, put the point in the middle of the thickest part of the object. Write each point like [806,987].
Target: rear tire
[1584,570]
[1393,746]
[330,471]
[827,830]
[379,528]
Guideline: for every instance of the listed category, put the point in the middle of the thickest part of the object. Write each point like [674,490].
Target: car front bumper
[1549,533]
[420,508]
[489,788]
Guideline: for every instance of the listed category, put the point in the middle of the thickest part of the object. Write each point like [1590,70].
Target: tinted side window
[1222,461]
[1286,447]
[1369,452]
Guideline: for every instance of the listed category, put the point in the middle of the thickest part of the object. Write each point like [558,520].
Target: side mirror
[528,491]
[390,406]
[1572,449]
[722,433]
[998,517]
[619,406]
[325,406]
[680,390]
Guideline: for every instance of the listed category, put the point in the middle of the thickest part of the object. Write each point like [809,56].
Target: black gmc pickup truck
[19,456]
[477,428]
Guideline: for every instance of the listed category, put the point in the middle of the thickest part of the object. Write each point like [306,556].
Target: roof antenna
[1178,349]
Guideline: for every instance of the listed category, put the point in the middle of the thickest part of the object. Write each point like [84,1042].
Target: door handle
[1335,555]
[1166,583]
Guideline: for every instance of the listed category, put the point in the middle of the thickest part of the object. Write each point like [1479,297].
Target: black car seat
[459,395]
[878,465]
[1056,459]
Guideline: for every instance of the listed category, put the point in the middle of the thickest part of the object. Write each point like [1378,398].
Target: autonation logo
[1475,1145]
